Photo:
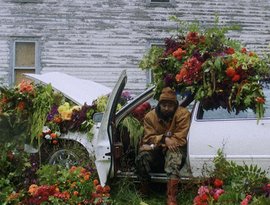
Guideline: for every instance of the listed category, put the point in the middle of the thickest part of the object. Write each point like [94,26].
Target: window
[222,114]
[24,59]
[163,3]
[159,1]
[149,73]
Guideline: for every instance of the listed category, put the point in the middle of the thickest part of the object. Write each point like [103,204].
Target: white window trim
[13,53]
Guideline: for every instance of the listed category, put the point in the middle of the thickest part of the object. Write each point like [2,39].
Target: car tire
[66,153]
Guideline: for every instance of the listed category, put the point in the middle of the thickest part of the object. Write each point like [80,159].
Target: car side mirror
[97,117]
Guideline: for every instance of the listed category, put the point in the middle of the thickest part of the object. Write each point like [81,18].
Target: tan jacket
[155,128]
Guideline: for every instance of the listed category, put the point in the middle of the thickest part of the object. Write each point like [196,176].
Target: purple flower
[52,113]
[169,80]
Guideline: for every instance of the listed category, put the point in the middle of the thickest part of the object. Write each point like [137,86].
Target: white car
[242,138]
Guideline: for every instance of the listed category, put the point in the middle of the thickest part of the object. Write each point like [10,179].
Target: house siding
[97,39]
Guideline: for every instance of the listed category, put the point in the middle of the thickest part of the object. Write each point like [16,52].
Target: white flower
[48,137]
[46,129]
[58,133]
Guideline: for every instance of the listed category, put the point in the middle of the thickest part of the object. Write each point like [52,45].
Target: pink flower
[203,190]
[244,202]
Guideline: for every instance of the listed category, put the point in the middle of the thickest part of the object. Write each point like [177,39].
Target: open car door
[103,148]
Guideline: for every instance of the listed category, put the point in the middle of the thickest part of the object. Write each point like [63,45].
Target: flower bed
[210,66]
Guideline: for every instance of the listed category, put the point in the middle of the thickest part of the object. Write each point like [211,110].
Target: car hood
[77,90]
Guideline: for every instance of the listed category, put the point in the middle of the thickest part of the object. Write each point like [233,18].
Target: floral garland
[211,67]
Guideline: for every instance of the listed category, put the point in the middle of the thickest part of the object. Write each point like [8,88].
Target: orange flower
[230,72]
[53,135]
[57,119]
[13,196]
[86,177]
[32,189]
[73,185]
[72,169]
[179,53]
[182,74]
[95,182]
[26,86]
[251,54]
[75,193]
[260,100]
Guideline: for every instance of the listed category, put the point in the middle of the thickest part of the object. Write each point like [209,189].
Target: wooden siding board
[90,39]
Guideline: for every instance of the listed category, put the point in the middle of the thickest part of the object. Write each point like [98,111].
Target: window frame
[37,66]
[162,4]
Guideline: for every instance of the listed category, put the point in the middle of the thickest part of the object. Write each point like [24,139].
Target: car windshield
[221,113]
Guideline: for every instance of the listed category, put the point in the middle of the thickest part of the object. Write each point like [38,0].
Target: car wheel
[66,153]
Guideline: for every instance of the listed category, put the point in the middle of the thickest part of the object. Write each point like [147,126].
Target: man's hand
[145,147]
[170,144]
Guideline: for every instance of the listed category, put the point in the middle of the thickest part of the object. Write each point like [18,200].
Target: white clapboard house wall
[96,39]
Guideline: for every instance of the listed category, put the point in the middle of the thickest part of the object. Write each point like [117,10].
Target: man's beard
[165,116]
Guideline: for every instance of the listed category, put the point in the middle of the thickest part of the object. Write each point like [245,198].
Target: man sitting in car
[163,146]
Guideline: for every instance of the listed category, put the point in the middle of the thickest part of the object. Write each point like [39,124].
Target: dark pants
[159,160]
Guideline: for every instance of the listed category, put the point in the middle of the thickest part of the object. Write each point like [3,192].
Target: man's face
[167,108]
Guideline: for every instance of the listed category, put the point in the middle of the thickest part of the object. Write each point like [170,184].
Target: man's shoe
[172,191]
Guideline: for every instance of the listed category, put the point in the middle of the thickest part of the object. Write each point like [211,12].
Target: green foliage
[13,163]
[12,127]
[41,106]
[150,59]
[241,179]
[135,129]
[124,192]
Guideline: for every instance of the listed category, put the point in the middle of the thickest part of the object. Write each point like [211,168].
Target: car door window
[223,114]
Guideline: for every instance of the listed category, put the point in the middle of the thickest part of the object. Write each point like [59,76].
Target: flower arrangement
[209,194]
[61,186]
[211,67]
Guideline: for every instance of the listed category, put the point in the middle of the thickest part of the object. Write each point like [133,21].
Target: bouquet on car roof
[212,67]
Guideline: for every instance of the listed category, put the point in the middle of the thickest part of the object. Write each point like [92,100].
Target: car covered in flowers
[228,86]
[239,135]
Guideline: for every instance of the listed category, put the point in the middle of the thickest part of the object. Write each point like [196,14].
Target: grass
[125,192]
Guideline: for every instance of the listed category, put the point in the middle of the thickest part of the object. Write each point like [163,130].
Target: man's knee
[143,161]
[173,162]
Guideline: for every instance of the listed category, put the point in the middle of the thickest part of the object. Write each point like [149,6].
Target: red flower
[4,100]
[230,51]
[230,72]
[243,50]
[193,37]
[236,78]
[189,72]
[21,106]
[218,183]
